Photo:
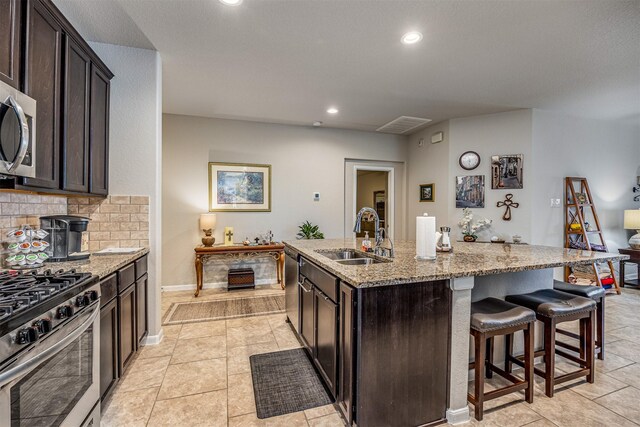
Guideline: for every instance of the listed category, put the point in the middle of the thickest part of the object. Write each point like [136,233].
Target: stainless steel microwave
[17,133]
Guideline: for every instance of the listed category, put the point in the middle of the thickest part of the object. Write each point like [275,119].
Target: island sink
[352,257]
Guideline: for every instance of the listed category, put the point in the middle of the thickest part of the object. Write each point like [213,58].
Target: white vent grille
[402,125]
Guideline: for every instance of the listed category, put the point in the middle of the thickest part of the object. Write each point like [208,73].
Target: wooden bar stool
[553,307]
[597,294]
[491,317]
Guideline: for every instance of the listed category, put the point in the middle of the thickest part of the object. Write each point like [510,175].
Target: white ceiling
[286,61]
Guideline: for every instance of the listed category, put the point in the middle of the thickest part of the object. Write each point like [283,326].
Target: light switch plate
[554,203]
[316,197]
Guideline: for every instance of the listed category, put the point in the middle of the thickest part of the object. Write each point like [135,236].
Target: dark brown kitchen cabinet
[346,353]
[108,347]
[10,41]
[142,284]
[99,133]
[307,326]
[43,76]
[127,327]
[325,354]
[75,141]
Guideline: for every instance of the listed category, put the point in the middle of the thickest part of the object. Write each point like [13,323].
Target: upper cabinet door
[43,75]
[10,34]
[75,141]
[99,137]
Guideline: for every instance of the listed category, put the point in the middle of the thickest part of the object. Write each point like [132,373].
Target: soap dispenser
[366,243]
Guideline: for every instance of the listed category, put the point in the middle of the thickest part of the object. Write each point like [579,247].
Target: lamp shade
[632,219]
[208,221]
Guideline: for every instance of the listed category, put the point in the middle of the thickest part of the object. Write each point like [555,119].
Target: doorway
[372,190]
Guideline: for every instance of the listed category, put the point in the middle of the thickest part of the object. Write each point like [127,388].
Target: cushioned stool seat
[493,313]
[595,293]
[553,307]
[491,317]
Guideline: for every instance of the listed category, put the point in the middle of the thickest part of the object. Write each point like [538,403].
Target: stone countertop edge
[98,265]
[467,259]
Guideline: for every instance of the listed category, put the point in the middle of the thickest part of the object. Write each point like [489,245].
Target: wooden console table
[274,250]
[634,255]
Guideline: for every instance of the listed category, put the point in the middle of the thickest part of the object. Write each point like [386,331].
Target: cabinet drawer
[141,267]
[327,283]
[108,289]
[126,277]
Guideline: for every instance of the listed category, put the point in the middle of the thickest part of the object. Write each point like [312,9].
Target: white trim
[153,339]
[215,285]
[458,416]
[391,201]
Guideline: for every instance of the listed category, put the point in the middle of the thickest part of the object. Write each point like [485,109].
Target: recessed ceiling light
[231,2]
[411,37]
[332,110]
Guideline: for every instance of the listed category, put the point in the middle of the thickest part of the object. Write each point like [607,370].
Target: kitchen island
[391,338]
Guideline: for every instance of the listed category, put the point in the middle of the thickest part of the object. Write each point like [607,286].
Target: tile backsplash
[116,221]
[17,209]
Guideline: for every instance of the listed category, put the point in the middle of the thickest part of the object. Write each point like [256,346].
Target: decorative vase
[468,238]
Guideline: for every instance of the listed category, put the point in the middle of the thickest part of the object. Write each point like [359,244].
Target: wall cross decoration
[508,203]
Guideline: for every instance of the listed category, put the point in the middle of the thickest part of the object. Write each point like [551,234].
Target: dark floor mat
[286,382]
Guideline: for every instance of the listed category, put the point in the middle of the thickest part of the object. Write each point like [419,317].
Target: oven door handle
[15,372]
[24,134]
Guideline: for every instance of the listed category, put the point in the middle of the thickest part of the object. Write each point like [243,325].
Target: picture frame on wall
[470,191]
[506,172]
[239,187]
[427,192]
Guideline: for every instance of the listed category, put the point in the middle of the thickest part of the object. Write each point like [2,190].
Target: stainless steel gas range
[49,349]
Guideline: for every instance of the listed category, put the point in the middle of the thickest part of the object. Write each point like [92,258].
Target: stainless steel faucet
[357,227]
[380,250]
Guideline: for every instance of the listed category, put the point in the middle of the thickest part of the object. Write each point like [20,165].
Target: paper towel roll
[425,237]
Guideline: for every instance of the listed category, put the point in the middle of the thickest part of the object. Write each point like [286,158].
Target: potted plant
[469,228]
[309,231]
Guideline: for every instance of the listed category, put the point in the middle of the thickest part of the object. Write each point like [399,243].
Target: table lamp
[208,224]
[632,222]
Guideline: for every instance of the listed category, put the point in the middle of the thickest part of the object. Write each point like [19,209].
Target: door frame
[390,221]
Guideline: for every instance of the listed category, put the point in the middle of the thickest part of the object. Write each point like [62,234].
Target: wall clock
[469,160]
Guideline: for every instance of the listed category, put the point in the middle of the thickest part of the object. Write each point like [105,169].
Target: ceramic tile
[200,410]
[241,397]
[285,337]
[238,357]
[144,373]
[241,322]
[604,384]
[320,411]
[627,333]
[194,378]
[203,329]
[623,402]
[333,420]
[629,374]
[171,331]
[131,408]
[249,334]
[164,348]
[193,349]
[296,419]
[627,349]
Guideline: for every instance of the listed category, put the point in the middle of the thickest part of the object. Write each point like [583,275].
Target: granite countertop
[467,259]
[98,265]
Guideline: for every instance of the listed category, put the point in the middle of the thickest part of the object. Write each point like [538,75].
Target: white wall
[135,144]
[303,159]
[607,153]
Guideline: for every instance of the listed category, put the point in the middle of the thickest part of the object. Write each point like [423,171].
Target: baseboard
[219,285]
[458,416]
[153,339]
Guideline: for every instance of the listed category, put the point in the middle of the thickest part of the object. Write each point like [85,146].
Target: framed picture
[506,172]
[470,191]
[428,193]
[239,187]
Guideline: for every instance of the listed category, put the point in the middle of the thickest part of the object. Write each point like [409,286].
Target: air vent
[403,125]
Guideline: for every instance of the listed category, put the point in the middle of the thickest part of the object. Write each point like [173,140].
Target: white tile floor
[199,376]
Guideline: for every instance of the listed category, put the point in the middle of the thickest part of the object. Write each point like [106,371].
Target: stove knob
[26,335]
[93,295]
[43,326]
[64,312]
[82,300]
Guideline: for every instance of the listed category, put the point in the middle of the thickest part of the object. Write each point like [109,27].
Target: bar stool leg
[583,337]
[590,343]
[549,355]
[479,375]
[508,352]
[528,361]
[489,361]
[600,327]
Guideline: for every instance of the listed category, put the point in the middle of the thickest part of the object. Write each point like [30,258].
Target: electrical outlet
[555,203]
[316,197]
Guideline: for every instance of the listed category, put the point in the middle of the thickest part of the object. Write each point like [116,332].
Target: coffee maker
[68,238]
